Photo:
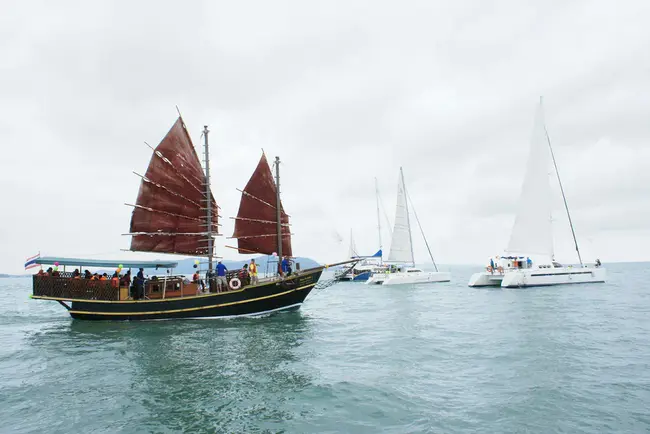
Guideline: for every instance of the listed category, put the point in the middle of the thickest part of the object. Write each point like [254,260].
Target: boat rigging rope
[321,285]
[421,230]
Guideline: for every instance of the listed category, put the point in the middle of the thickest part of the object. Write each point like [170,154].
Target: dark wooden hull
[267,297]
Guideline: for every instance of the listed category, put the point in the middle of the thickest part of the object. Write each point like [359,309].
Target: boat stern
[515,279]
[376,279]
[485,279]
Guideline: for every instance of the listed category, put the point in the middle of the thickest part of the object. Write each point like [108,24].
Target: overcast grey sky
[342,91]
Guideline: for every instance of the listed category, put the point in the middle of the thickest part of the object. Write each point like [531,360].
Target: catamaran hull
[251,301]
[376,279]
[485,279]
[416,278]
[553,276]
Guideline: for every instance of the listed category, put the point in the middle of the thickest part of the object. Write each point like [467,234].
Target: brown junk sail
[256,221]
[170,213]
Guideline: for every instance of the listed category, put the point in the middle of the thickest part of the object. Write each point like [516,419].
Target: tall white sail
[401,247]
[532,231]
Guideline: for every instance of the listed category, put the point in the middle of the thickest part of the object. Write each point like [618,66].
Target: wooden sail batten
[166,160]
[259,221]
[145,179]
[203,200]
[245,251]
[256,198]
[197,219]
[201,254]
[166,234]
[284,235]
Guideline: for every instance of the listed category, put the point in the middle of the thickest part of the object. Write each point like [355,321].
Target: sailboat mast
[381,259]
[278,209]
[208,198]
[408,221]
[566,205]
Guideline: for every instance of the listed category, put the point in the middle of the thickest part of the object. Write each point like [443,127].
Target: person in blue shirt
[286,266]
[221,277]
[138,282]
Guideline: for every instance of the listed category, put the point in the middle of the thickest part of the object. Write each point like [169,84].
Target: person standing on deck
[221,277]
[491,265]
[286,266]
[115,280]
[139,285]
[252,271]
[244,277]
[126,279]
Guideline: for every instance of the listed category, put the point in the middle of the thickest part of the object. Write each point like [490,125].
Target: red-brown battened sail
[170,215]
[256,222]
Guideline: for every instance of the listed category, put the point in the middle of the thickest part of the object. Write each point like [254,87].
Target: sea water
[355,358]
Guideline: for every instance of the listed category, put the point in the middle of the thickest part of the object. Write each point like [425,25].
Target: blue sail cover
[376,255]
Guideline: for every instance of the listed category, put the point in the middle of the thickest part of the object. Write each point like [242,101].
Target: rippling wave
[355,358]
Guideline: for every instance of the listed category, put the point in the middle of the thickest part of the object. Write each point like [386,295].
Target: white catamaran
[401,249]
[529,259]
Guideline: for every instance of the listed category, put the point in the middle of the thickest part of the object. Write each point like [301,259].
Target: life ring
[489,268]
[235,283]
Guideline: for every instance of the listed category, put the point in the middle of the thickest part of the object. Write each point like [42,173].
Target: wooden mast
[208,198]
[278,209]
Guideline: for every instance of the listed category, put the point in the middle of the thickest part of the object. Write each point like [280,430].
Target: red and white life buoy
[489,268]
[235,283]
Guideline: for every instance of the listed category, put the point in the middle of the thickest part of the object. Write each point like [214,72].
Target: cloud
[343,92]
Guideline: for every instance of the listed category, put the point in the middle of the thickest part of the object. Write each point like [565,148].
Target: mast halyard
[408,221]
[381,259]
[278,209]
[208,198]
[566,205]
[421,231]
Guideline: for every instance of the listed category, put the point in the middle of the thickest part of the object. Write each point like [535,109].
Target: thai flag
[31,262]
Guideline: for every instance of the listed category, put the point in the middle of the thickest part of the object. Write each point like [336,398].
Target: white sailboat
[362,271]
[401,249]
[529,258]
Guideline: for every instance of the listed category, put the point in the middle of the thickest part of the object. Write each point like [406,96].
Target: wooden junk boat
[176,213]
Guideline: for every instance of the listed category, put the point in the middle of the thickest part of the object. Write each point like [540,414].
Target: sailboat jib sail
[170,211]
[532,231]
[256,221]
[401,249]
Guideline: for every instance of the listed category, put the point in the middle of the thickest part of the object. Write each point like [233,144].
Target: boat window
[413,271]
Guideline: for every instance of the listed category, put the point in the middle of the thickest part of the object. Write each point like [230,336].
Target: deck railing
[69,288]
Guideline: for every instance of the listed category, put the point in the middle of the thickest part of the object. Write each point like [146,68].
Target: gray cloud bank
[343,92]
